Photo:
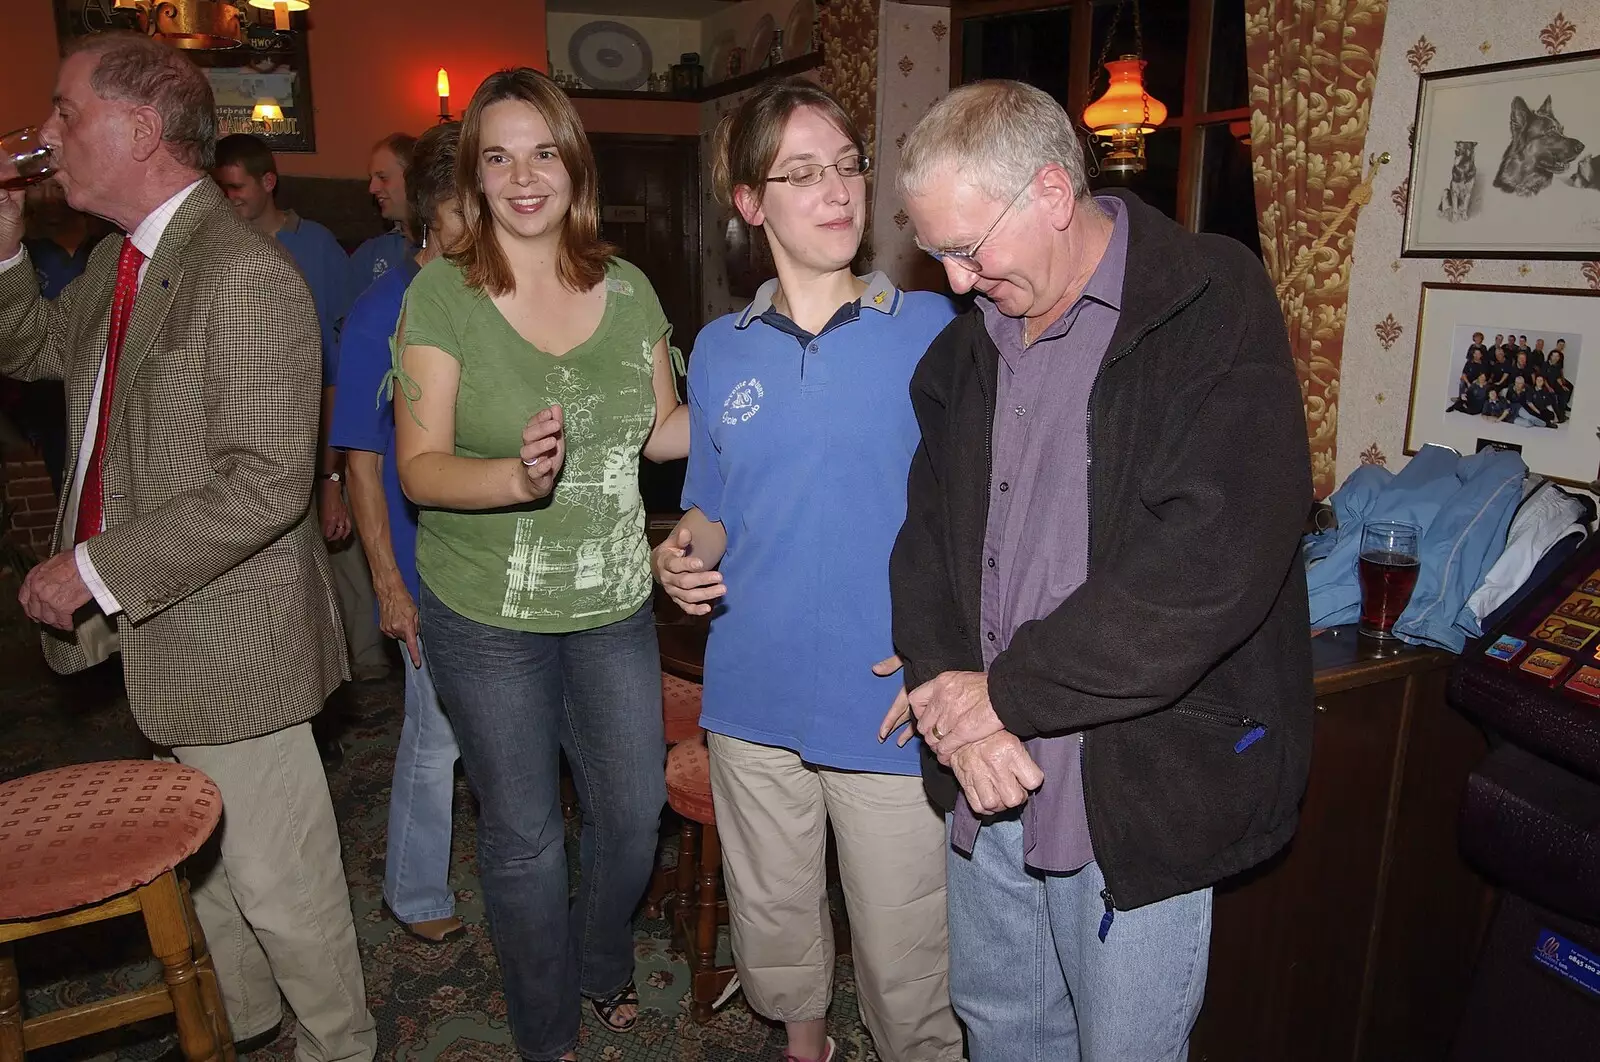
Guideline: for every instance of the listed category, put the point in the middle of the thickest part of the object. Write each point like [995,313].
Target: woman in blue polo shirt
[801,436]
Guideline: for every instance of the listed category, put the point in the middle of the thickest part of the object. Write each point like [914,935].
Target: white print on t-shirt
[743,402]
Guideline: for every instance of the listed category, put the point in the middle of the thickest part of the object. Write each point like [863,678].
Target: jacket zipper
[1088,427]
[1254,729]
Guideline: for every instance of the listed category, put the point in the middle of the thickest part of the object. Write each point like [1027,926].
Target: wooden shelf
[726,87]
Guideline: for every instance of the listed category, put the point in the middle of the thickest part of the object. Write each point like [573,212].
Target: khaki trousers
[353,583]
[271,896]
[772,814]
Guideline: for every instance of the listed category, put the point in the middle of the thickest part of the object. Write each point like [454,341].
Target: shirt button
[991,562]
[1004,487]
[1019,411]
[812,349]
[990,636]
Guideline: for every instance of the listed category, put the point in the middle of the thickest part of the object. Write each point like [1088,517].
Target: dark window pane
[1158,184]
[1230,70]
[1166,46]
[1227,184]
[1029,47]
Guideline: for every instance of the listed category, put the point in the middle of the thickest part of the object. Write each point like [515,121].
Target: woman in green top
[537,369]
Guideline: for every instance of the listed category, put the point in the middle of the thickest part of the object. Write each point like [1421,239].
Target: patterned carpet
[431,1002]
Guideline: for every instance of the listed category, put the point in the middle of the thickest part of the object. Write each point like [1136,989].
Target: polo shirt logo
[743,402]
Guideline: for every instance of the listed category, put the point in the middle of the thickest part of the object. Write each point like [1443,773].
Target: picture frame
[1552,319]
[269,66]
[1505,161]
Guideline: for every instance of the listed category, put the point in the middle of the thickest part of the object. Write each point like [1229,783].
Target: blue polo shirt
[376,257]
[363,414]
[800,445]
[327,272]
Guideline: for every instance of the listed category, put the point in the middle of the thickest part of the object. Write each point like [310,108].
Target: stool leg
[10,1008]
[703,980]
[683,886]
[210,990]
[167,923]
[660,886]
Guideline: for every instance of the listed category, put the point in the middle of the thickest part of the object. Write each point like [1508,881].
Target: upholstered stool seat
[689,781]
[680,708]
[98,841]
[77,835]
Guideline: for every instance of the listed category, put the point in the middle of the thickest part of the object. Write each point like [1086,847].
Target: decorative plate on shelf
[761,42]
[722,46]
[610,55]
[797,29]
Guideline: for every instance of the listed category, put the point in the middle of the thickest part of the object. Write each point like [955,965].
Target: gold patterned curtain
[1312,68]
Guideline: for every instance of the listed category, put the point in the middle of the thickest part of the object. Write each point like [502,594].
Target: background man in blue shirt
[386,173]
[248,175]
[417,861]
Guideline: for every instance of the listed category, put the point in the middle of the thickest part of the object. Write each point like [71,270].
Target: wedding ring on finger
[531,464]
[938,732]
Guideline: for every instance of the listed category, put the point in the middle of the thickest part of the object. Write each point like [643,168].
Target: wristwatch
[336,477]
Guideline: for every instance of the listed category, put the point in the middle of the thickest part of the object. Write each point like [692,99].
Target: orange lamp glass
[267,110]
[1126,104]
[442,83]
[1124,115]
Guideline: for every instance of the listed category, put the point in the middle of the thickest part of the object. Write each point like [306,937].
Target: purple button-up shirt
[1036,543]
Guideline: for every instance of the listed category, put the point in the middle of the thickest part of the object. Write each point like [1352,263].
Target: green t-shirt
[577,559]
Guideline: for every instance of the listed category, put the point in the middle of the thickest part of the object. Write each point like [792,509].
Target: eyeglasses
[968,259]
[811,173]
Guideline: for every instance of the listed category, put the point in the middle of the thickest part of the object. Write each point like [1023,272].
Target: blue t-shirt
[376,257]
[323,264]
[363,412]
[800,445]
[55,267]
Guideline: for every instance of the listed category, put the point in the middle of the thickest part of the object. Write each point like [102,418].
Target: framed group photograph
[1505,161]
[1512,368]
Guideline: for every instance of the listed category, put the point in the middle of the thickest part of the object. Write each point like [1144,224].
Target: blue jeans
[1034,983]
[416,869]
[517,701]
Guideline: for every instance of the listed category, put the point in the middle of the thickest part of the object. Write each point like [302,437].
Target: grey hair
[996,134]
[143,71]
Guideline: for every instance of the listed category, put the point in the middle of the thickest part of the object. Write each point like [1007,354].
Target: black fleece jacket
[1191,633]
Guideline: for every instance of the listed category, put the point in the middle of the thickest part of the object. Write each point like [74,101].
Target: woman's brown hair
[746,142]
[582,261]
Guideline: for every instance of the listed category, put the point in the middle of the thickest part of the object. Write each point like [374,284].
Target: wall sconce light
[267,110]
[280,10]
[443,84]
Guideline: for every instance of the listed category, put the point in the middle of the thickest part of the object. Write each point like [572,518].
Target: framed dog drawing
[1505,161]
[1513,368]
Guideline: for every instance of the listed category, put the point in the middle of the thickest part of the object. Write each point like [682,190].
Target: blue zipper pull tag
[1251,738]
[1107,918]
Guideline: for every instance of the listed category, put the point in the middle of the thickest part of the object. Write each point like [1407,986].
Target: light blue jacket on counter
[1464,506]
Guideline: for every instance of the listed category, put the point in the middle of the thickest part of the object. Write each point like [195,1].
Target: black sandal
[606,1009]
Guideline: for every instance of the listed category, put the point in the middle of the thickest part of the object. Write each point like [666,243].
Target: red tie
[91,501]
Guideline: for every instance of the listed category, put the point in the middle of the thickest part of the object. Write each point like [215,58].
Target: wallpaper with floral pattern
[913,75]
[1374,382]
[1313,64]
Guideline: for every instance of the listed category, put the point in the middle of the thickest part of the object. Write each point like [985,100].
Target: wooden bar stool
[96,841]
[697,907]
[680,716]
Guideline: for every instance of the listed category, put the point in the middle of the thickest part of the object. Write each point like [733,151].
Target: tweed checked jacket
[230,627]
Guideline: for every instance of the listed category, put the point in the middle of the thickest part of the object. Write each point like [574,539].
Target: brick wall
[30,500]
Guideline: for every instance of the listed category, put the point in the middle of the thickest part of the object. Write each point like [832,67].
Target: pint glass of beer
[1388,570]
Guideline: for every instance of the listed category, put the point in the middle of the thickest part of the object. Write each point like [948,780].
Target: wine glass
[24,159]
